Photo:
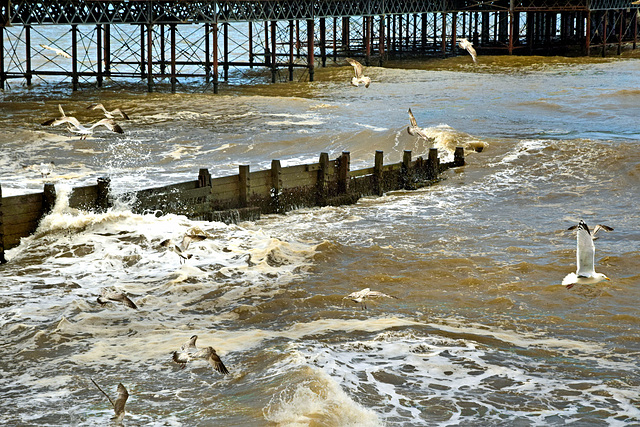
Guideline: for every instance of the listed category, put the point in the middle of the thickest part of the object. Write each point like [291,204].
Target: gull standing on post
[359,76]
[585,257]
[466,44]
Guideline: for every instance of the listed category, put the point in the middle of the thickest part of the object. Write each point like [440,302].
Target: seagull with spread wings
[76,127]
[56,50]
[112,295]
[366,293]
[415,130]
[181,248]
[109,114]
[118,405]
[466,44]
[189,351]
[585,257]
[359,77]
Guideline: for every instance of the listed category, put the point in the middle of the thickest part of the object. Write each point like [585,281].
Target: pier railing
[237,197]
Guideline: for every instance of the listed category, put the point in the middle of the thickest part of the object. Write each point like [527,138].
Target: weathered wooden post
[48,198]
[458,157]
[276,186]
[343,172]
[378,183]
[102,201]
[2,258]
[204,178]
[244,187]
[321,183]
[406,173]
[434,163]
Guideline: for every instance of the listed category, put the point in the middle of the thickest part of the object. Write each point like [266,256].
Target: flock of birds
[585,252]
[74,125]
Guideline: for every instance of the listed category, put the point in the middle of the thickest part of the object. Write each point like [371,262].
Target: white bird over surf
[76,127]
[585,257]
[112,295]
[109,114]
[118,405]
[415,130]
[189,351]
[181,248]
[56,50]
[466,44]
[359,77]
[360,296]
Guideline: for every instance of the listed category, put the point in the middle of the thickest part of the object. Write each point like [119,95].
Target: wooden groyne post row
[237,197]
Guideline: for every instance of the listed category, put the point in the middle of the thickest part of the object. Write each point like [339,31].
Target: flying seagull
[466,44]
[359,77]
[110,294]
[414,129]
[181,249]
[188,352]
[360,296]
[118,405]
[56,50]
[109,114]
[76,127]
[585,256]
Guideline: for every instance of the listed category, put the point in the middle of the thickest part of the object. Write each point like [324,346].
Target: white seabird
[359,77]
[360,296]
[181,249]
[585,257]
[414,130]
[109,114]
[78,128]
[110,294]
[466,44]
[188,352]
[56,50]
[118,405]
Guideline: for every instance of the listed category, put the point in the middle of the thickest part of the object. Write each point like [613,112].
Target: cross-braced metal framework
[248,40]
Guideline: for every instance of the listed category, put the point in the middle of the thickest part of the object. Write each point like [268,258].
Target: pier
[234,198]
[174,42]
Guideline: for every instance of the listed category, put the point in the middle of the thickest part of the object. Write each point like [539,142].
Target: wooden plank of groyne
[34,205]
[84,197]
[261,183]
[20,200]
[298,176]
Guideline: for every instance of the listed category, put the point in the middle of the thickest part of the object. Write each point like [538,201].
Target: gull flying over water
[109,114]
[188,352]
[76,127]
[359,77]
[111,295]
[181,249]
[585,257]
[118,405]
[414,130]
[466,44]
[56,50]
[360,296]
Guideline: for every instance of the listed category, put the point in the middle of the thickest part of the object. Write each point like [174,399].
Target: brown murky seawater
[482,332]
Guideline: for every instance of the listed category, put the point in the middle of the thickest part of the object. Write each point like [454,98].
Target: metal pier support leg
[99,47]
[74,57]
[310,57]
[216,77]
[207,53]
[173,58]
[150,57]
[225,44]
[323,41]
[274,25]
[27,42]
[381,41]
[2,74]
[291,32]
[107,49]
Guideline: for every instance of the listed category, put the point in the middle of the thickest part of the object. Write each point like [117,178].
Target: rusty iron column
[511,26]
[454,30]
[250,44]
[27,42]
[605,18]
[323,41]
[273,27]
[207,52]
[74,57]
[291,35]
[381,41]
[216,77]
[225,46]
[587,41]
[310,56]
[142,53]
[444,34]
[621,22]
[149,57]
[367,40]
[99,47]
[106,54]
[172,28]
[163,57]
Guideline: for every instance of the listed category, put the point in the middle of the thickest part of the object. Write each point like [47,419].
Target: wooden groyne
[237,197]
